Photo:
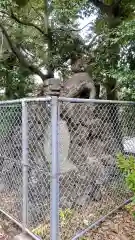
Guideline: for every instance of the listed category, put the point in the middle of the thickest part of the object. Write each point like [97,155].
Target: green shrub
[65,215]
[127,166]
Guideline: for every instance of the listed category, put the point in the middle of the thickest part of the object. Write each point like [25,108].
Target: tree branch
[33,69]
[80,29]
[73,29]
[46,24]
[13,16]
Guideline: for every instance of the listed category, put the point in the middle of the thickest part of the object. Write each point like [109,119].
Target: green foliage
[83,238]
[15,80]
[40,230]
[43,228]
[65,215]
[21,3]
[113,50]
[127,165]
[108,2]
[43,31]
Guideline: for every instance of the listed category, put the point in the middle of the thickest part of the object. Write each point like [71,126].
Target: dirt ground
[120,226]
[7,229]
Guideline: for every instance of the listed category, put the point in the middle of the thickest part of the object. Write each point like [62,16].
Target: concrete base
[22,236]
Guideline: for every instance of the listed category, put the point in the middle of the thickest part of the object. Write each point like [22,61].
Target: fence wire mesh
[10,159]
[90,184]
[38,124]
[39,157]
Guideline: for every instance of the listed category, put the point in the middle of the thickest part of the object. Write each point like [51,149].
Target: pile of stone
[88,144]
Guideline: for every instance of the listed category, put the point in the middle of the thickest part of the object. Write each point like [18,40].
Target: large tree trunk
[97,87]
[8,88]
[113,114]
[111,90]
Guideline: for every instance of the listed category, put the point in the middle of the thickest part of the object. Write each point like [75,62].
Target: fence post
[54,171]
[53,88]
[25,162]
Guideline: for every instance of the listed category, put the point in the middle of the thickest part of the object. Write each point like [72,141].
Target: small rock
[86,222]
[81,201]
[123,237]
[114,228]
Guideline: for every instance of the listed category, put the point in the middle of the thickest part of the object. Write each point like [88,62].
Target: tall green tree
[108,49]
[40,34]
[45,34]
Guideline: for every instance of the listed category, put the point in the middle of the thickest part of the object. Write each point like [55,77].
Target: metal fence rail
[58,161]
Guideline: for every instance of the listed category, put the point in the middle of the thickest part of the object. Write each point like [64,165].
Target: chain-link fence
[25,170]
[58,162]
[91,185]
[10,158]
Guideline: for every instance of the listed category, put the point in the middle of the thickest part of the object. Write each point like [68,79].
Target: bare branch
[92,41]
[80,29]
[73,29]
[33,69]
